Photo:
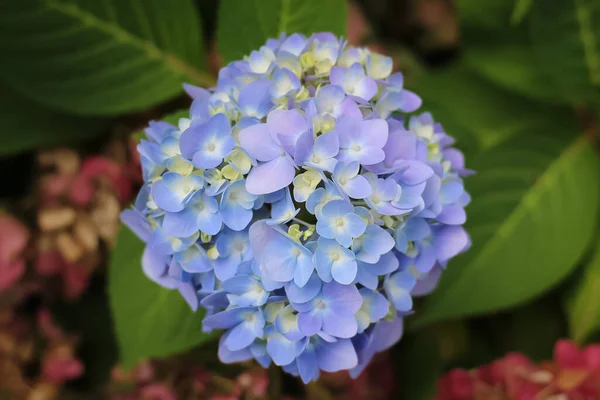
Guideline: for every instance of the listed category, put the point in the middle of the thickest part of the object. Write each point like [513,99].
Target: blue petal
[337,356]
[278,262]
[227,356]
[282,350]
[398,287]
[244,334]
[342,297]
[286,323]
[308,366]
[234,215]
[365,276]
[387,264]
[297,294]
[155,267]
[449,241]
[137,223]
[374,304]
[189,295]
[340,323]
[228,318]
[180,224]
[170,192]
[452,214]
[309,323]
[304,267]
[355,224]
[344,273]
[194,260]
[255,98]
[323,264]
[226,267]
[283,210]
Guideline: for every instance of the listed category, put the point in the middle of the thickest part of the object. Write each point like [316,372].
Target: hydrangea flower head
[300,205]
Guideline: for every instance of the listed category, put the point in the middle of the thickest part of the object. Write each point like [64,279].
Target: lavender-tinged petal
[449,241]
[271,176]
[256,141]
[341,324]
[452,214]
[343,296]
[337,356]
[309,323]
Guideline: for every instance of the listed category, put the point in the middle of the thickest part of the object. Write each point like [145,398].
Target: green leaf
[491,14]
[100,57]
[26,124]
[481,115]
[534,211]
[566,39]
[509,62]
[584,306]
[150,321]
[522,8]
[245,25]
[502,52]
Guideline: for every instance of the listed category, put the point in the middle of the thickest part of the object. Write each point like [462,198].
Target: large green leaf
[480,115]
[100,57]
[489,14]
[522,8]
[566,38]
[501,51]
[245,25]
[508,61]
[532,186]
[534,210]
[150,321]
[584,305]
[26,124]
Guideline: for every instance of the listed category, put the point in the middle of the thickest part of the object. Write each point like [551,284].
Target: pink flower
[456,385]
[47,327]
[59,368]
[157,391]
[49,263]
[76,280]
[94,167]
[13,239]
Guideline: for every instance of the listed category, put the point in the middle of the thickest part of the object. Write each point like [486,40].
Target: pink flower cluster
[574,374]
[14,237]
[78,206]
[165,380]
[39,342]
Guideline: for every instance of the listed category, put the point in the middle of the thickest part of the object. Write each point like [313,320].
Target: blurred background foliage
[516,82]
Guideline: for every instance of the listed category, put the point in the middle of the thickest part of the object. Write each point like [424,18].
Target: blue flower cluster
[299,205]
